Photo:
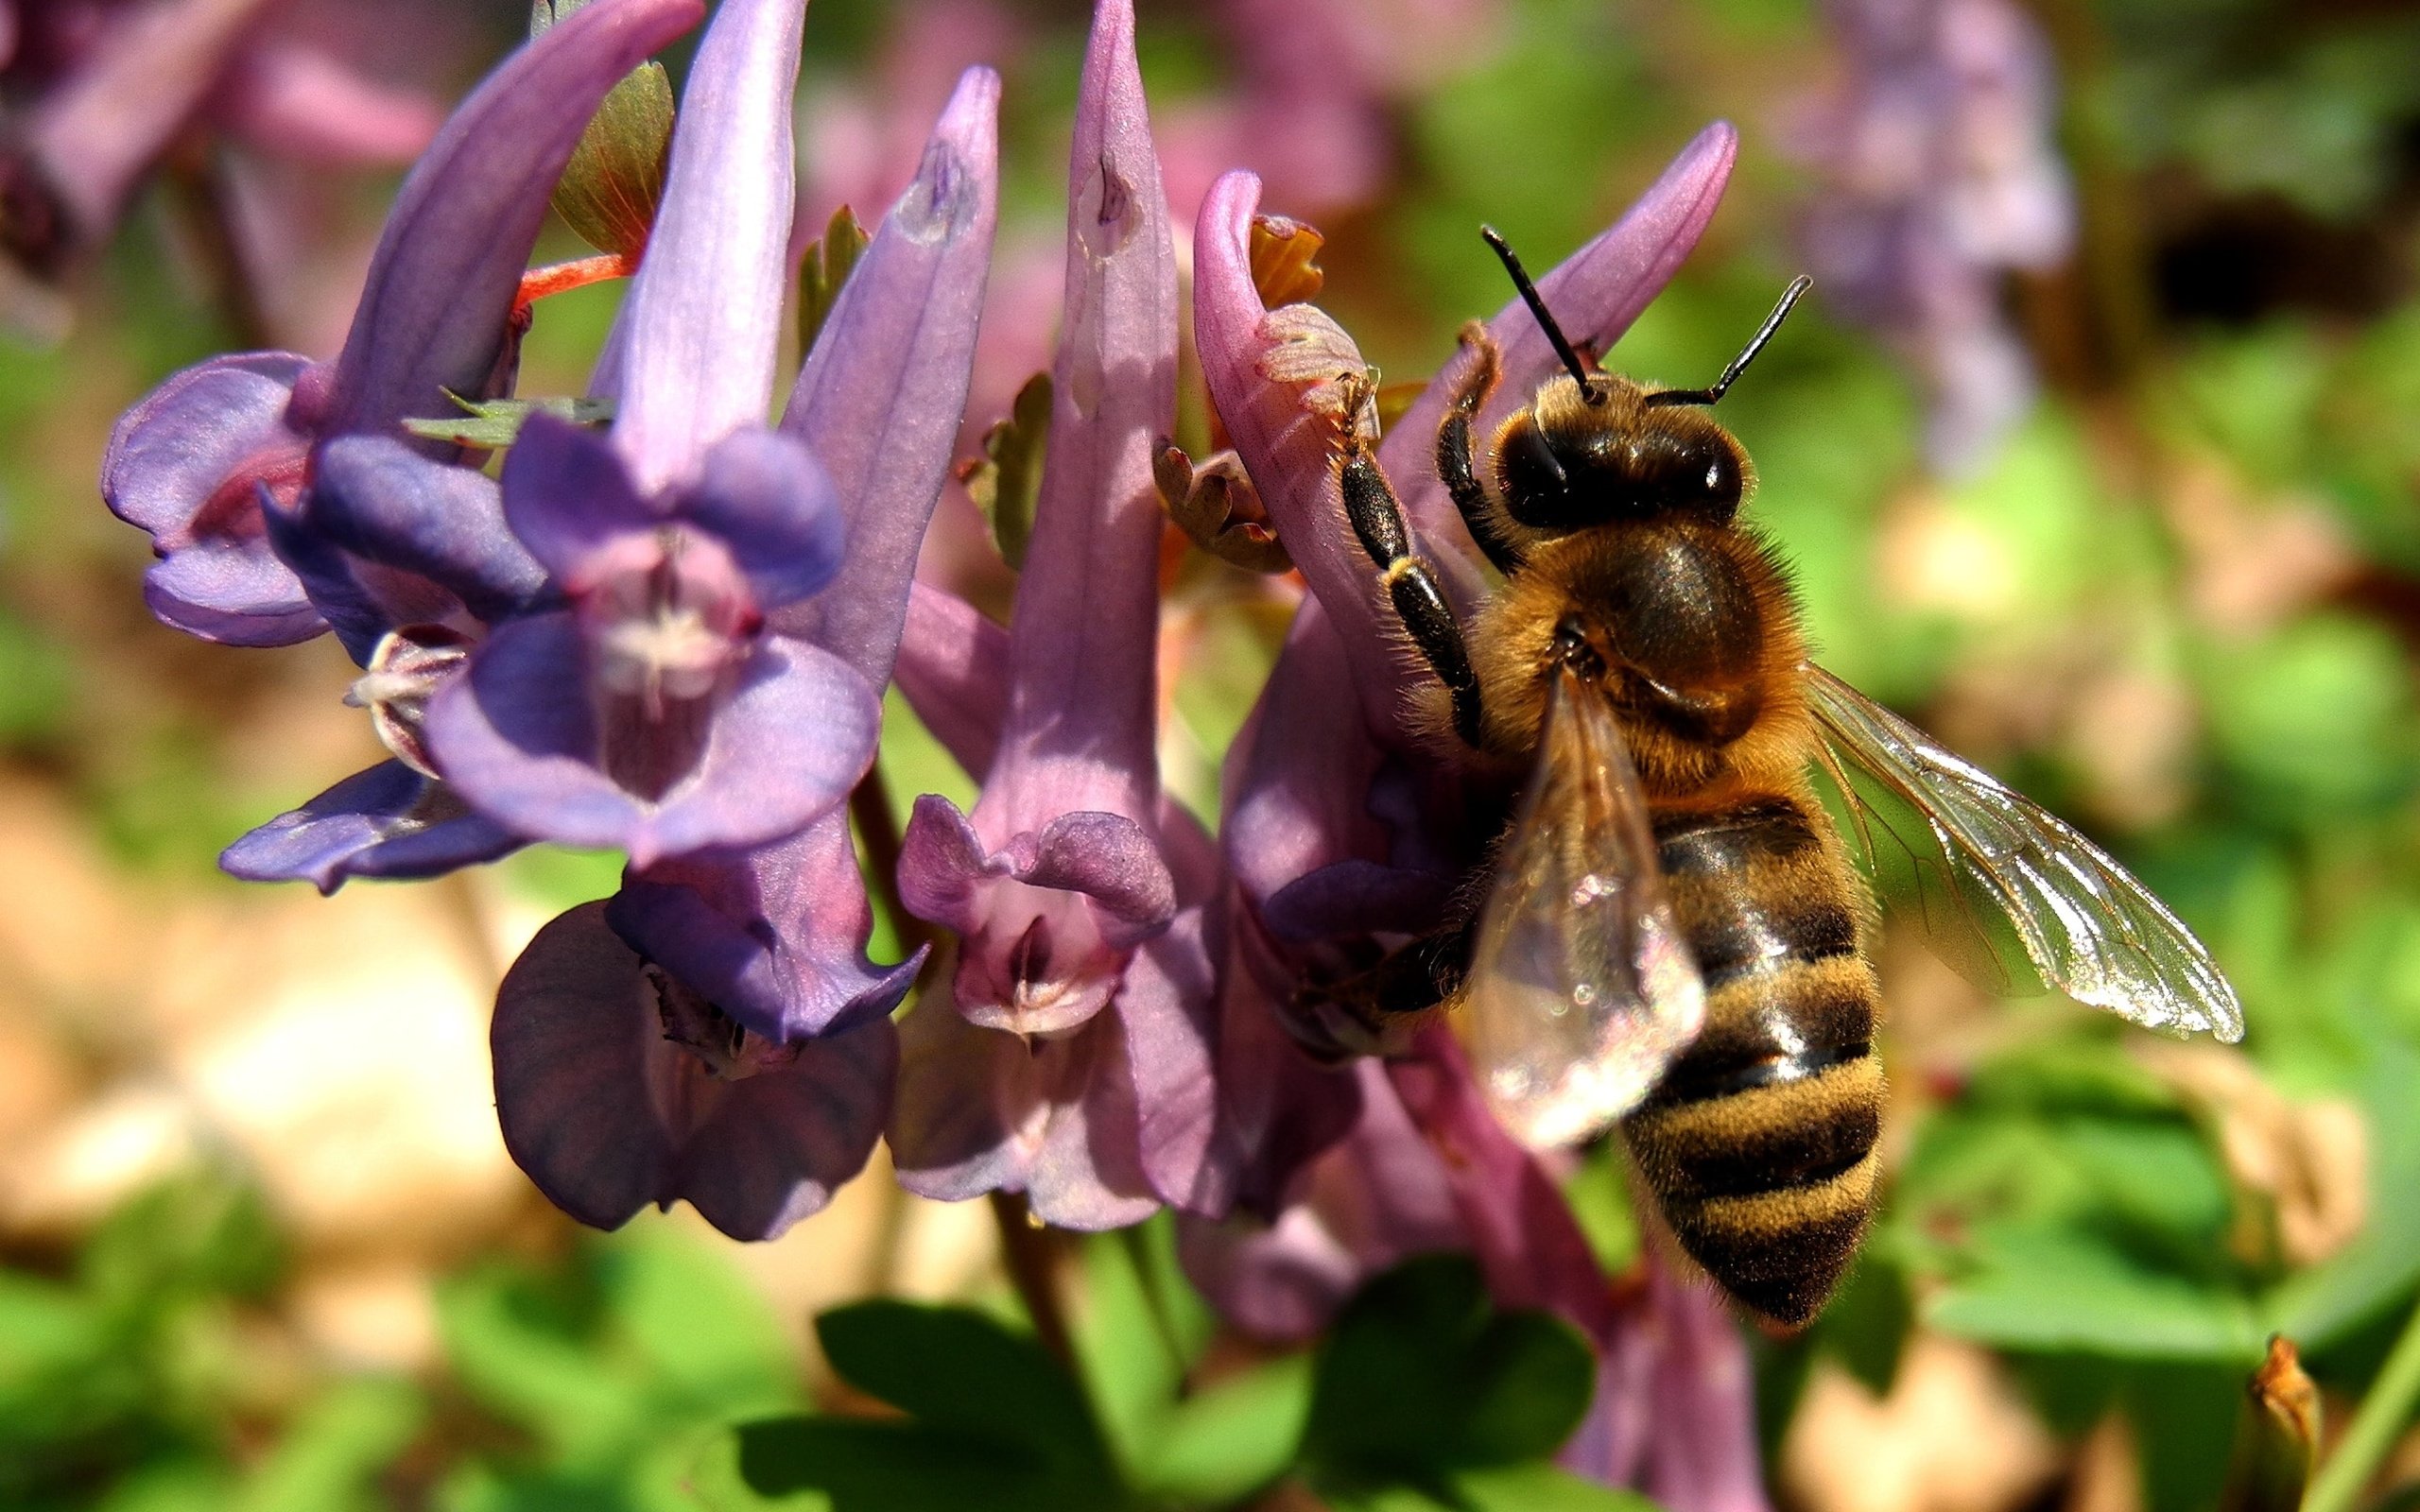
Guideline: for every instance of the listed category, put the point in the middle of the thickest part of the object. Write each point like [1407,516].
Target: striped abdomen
[1759,1140]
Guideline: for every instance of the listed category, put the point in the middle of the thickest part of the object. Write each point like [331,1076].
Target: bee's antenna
[1739,364]
[1563,348]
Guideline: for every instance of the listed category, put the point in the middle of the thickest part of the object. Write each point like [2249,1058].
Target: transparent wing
[1581,988]
[2088,927]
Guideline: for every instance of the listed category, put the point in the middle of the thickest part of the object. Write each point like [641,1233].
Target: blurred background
[2096,450]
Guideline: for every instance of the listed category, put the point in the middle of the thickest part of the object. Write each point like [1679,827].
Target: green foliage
[493,424]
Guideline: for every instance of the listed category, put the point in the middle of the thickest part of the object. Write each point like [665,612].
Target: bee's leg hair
[1411,585]
[1455,468]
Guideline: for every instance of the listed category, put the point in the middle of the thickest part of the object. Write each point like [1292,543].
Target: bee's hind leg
[1455,468]
[1375,1012]
[1377,516]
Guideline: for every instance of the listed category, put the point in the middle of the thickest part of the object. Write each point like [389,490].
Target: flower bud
[2275,1436]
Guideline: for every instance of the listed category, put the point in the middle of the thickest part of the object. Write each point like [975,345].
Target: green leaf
[1228,1440]
[2379,1269]
[823,271]
[493,424]
[2061,1290]
[334,1452]
[1598,1192]
[889,1466]
[1006,484]
[1421,1375]
[610,189]
[1539,1487]
[1866,1326]
[1130,1363]
[699,1332]
[957,1369]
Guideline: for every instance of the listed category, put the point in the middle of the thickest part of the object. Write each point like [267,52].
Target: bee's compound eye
[1537,490]
[1720,478]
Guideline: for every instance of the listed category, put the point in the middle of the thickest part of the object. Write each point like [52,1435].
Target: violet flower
[655,712]
[1076,1067]
[188,463]
[776,936]
[714,1032]
[284,501]
[1940,177]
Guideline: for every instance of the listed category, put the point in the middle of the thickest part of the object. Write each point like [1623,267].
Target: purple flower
[775,935]
[188,465]
[655,711]
[618,1087]
[1076,1064]
[1940,177]
[715,1031]
[284,501]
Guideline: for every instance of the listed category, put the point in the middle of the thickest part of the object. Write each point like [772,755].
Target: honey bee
[1674,937]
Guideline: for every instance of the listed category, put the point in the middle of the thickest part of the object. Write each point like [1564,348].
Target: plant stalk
[2375,1424]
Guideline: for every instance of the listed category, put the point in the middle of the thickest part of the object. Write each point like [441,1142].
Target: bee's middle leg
[1378,521]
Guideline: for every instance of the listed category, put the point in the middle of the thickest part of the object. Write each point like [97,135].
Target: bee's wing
[1580,988]
[2088,927]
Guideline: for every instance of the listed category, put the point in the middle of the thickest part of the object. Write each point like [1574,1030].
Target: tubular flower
[655,711]
[284,500]
[1340,824]
[194,464]
[639,1058]
[1076,1066]
[1936,142]
[775,935]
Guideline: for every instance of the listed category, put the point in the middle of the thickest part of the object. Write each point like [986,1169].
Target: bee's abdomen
[1759,1140]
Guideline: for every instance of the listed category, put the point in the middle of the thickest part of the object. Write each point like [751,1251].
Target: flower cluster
[670,636]
[1941,178]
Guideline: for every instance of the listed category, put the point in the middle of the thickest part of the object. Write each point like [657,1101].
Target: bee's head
[1593,448]
[1580,457]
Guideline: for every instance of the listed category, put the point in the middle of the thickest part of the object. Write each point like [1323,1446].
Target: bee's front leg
[1456,467]
[1377,517]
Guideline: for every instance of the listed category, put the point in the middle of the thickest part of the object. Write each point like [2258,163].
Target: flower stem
[1036,1259]
[877,828]
[2371,1432]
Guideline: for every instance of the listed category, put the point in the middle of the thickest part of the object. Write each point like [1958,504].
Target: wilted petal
[1374,1198]
[605,1114]
[879,399]
[184,466]
[389,821]
[702,323]
[1595,294]
[433,313]
[377,498]
[518,737]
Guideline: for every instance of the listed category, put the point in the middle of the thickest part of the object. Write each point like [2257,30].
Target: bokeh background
[2098,450]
